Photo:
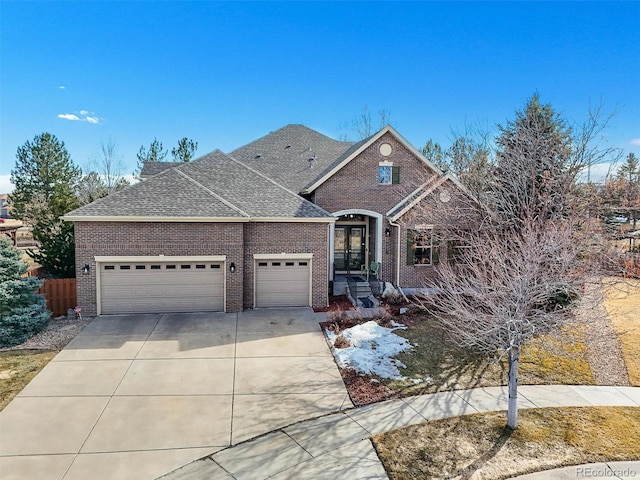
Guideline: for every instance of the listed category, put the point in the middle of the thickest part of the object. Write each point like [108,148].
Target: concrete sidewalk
[136,396]
[337,446]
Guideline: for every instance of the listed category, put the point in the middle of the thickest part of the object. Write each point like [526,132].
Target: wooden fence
[60,294]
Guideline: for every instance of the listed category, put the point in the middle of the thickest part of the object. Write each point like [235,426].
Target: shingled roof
[213,187]
[150,169]
[294,156]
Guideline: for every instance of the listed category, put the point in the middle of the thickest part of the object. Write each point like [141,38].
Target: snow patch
[371,349]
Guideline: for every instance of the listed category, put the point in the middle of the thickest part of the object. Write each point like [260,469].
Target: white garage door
[283,283]
[149,287]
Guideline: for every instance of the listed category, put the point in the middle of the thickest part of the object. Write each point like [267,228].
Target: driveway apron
[136,396]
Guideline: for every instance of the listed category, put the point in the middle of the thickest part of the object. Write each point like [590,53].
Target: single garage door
[150,287]
[283,283]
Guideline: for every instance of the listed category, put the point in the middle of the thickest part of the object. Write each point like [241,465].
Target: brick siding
[276,238]
[187,239]
[137,239]
[356,187]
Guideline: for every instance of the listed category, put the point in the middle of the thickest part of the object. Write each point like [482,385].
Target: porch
[360,291]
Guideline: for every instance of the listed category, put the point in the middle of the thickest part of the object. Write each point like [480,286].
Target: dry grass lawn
[479,447]
[622,301]
[17,368]
[437,364]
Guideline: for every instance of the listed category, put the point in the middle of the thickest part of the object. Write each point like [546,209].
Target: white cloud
[85,113]
[68,116]
[5,184]
[598,173]
[635,142]
[61,87]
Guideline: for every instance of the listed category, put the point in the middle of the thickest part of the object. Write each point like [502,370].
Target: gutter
[398,260]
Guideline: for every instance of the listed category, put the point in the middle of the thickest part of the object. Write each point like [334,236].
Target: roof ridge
[269,179]
[212,193]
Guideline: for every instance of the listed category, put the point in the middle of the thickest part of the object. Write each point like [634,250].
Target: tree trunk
[512,413]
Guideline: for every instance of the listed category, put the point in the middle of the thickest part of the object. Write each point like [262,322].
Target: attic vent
[310,160]
[258,155]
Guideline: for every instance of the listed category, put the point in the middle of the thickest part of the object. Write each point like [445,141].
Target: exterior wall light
[387,232]
[86,269]
[232,267]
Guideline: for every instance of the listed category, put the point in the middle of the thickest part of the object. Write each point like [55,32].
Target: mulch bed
[365,389]
[362,389]
[339,303]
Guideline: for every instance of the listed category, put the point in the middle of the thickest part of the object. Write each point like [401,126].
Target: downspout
[398,259]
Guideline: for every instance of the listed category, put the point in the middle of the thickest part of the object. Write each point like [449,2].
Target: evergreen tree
[629,171]
[433,152]
[156,153]
[45,182]
[44,168]
[23,313]
[534,159]
[185,150]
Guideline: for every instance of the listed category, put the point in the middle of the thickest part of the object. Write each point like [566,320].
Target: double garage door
[161,286]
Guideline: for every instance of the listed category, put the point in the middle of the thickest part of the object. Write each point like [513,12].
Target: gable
[358,182]
[394,143]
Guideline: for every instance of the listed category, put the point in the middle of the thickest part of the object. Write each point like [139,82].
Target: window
[458,249]
[200,266]
[140,267]
[109,267]
[155,267]
[388,174]
[384,175]
[125,267]
[185,267]
[422,247]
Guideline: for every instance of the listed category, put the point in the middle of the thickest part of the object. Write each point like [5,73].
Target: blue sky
[226,73]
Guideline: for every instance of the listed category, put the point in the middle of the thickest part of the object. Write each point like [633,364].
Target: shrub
[23,313]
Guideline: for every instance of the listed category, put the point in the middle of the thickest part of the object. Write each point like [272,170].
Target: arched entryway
[355,240]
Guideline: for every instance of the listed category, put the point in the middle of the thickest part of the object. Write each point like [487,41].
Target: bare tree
[519,250]
[363,125]
[105,174]
[109,165]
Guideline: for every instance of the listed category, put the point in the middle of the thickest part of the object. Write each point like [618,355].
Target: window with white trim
[388,174]
[422,247]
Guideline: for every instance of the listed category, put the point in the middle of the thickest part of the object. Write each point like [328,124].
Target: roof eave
[150,219]
[124,218]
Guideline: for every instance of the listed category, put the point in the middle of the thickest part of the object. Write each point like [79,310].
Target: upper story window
[388,174]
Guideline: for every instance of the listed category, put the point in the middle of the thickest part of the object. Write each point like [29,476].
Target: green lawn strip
[480,445]
[17,368]
[443,365]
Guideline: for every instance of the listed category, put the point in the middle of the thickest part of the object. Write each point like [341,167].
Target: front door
[349,248]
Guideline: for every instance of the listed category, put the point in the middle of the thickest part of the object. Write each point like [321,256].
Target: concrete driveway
[136,396]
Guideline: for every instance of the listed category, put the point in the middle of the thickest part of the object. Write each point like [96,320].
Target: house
[4,206]
[272,223]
